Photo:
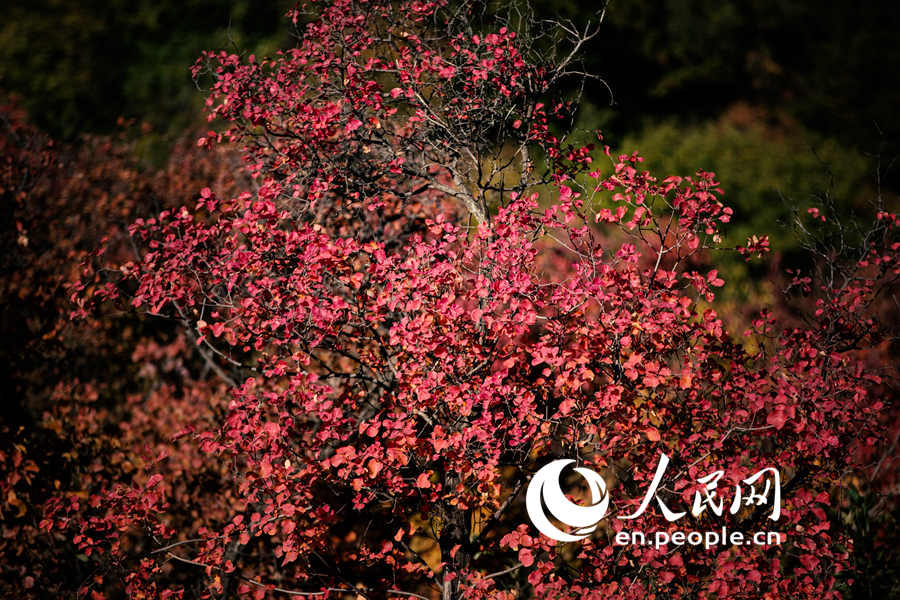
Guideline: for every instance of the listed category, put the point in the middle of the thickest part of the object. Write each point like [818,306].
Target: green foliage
[80,66]
[764,171]
[831,65]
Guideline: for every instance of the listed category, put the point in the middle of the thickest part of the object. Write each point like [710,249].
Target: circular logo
[544,491]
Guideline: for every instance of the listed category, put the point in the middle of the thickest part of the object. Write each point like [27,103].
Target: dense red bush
[421,295]
[80,395]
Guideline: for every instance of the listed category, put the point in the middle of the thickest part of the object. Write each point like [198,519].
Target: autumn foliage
[332,369]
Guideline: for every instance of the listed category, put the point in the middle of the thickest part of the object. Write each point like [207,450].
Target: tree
[427,294]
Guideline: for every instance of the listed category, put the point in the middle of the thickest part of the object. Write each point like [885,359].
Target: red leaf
[526,557]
